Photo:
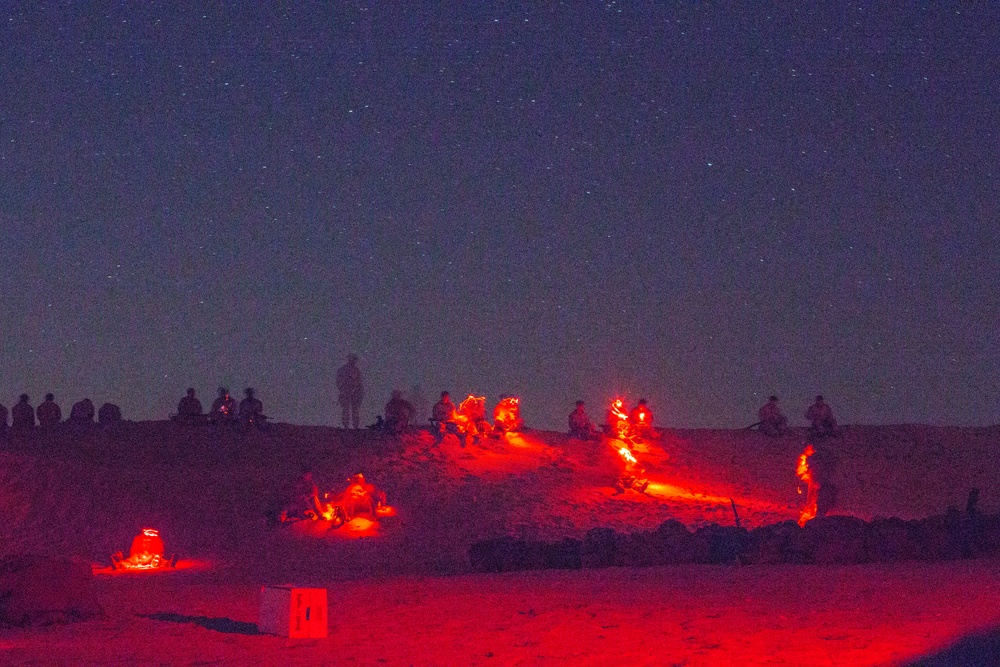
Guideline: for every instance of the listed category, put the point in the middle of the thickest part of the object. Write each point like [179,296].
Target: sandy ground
[402,594]
[697,615]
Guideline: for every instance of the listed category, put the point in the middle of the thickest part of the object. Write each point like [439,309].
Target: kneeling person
[443,415]
[507,416]
[251,410]
[399,413]
[772,422]
[580,425]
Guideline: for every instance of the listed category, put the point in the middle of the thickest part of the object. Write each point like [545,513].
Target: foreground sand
[404,595]
[696,615]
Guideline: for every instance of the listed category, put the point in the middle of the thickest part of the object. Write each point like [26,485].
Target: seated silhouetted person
[641,419]
[251,411]
[223,408]
[3,419]
[82,412]
[298,500]
[443,415]
[399,413]
[360,498]
[189,407]
[507,416]
[470,418]
[580,425]
[109,414]
[772,422]
[48,412]
[22,414]
[821,416]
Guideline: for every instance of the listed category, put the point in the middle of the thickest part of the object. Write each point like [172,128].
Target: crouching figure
[399,413]
[251,411]
[821,418]
[470,419]
[507,416]
[146,553]
[580,425]
[361,498]
[772,422]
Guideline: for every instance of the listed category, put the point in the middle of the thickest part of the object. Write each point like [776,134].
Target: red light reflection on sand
[360,525]
[664,490]
[795,615]
[356,528]
[183,564]
[519,441]
[510,453]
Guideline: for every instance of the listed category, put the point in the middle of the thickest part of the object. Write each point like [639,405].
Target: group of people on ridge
[224,410]
[773,423]
[638,422]
[469,417]
[250,410]
[49,414]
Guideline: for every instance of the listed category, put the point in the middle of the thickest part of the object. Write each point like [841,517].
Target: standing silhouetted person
[772,422]
[48,413]
[22,415]
[821,416]
[350,391]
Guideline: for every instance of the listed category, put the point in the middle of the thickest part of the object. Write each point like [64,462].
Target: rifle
[735,513]
[753,425]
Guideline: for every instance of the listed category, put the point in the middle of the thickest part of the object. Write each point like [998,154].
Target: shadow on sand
[978,650]
[227,625]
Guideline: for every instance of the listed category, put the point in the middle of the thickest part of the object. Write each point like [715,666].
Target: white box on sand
[292,612]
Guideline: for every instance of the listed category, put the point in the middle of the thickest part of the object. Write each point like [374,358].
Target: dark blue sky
[699,205]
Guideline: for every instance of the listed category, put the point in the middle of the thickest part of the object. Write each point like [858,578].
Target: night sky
[697,205]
